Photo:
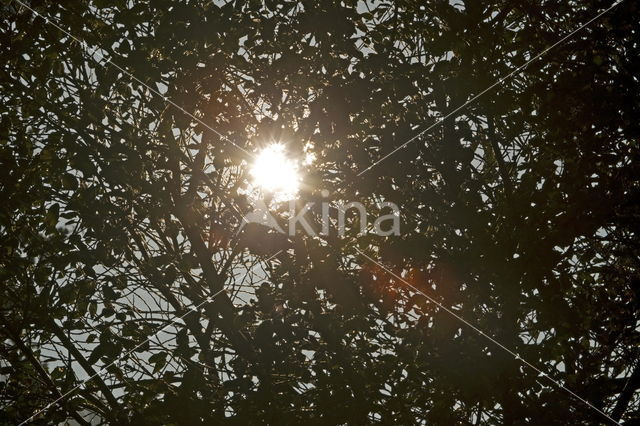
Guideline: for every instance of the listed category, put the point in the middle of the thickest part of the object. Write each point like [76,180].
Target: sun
[275,173]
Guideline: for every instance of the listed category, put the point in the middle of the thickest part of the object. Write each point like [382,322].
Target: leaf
[159,360]
[69,181]
[51,218]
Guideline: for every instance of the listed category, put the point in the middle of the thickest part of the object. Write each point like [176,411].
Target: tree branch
[502,169]
[627,393]
[13,335]
[88,368]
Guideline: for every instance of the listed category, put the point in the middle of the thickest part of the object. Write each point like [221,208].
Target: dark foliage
[121,212]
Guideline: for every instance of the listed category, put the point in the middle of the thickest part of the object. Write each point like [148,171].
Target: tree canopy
[133,293]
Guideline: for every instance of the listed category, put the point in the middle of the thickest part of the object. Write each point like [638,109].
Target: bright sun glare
[276,174]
